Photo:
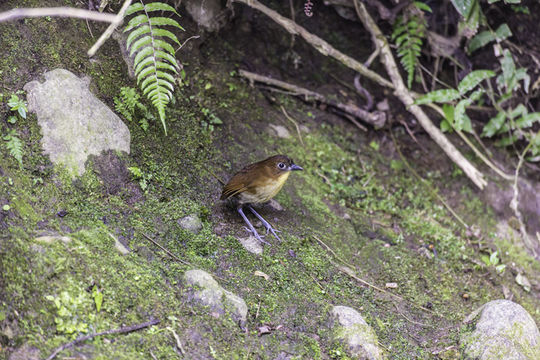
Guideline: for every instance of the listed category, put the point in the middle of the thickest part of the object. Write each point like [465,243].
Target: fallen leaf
[261,274]
[524,282]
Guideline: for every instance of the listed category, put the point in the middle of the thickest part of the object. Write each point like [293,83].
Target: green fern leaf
[408,36]
[154,61]
[14,146]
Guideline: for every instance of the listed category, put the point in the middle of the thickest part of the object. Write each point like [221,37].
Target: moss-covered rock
[502,330]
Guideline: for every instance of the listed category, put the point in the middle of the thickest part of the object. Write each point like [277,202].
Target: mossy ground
[355,195]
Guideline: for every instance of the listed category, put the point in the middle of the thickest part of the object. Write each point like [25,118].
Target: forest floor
[356,196]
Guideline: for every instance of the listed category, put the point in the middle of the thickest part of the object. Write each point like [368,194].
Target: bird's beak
[295,167]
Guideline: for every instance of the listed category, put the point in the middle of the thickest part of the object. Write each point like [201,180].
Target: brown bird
[258,183]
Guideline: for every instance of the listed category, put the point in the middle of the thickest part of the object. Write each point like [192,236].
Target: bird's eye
[281,165]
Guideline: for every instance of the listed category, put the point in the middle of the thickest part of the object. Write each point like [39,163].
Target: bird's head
[280,164]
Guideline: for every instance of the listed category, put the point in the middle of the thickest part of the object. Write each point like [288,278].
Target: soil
[355,195]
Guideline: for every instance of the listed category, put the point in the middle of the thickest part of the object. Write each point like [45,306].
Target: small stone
[349,327]
[504,330]
[391,285]
[122,249]
[279,131]
[203,289]
[51,239]
[425,252]
[251,244]
[25,352]
[275,205]
[265,329]
[524,282]
[191,223]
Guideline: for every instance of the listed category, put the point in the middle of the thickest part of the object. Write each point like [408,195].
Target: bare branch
[407,99]
[322,46]
[107,33]
[19,13]
[376,118]
[121,330]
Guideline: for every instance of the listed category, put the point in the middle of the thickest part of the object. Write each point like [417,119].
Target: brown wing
[239,183]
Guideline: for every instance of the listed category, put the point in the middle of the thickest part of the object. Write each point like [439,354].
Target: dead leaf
[261,274]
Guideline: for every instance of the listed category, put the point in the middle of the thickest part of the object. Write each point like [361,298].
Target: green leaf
[422,6]
[494,124]
[503,32]
[509,140]
[494,258]
[459,114]
[157,6]
[480,40]
[133,8]
[473,79]
[161,21]
[136,21]
[158,43]
[142,42]
[136,33]
[517,111]
[464,7]
[165,33]
[528,120]
[443,95]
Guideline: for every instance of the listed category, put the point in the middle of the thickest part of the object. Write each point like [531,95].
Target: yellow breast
[264,192]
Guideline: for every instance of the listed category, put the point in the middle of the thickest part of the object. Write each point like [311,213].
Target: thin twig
[409,320]
[19,13]
[322,46]
[423,181]
[167,251]
[407,98]
[474,148]
[348,270]
[177,258]
[216,177]
[118,19]
[121,330]
[376,118]
[295,125]
[177,339]
[514,204]
[185,42]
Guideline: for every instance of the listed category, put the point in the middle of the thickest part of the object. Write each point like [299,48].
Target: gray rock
[208,14]
[191,223]
[74,123]
[279,131]
[25,352]
[275,205]
[251,244]
[49,239]
[201,288]
[350,328]
[504,330]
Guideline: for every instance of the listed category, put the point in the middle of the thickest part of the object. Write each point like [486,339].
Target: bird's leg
[265,223]
[250,226]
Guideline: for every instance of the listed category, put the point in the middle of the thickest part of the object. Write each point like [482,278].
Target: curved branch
[19,13]
[322,46]
[406,98]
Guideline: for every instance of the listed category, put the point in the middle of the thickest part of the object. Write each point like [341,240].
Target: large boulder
[74,123]
[201,288]
[350,328]
[502,330]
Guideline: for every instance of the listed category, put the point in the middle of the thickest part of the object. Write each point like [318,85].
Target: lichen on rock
[74,123]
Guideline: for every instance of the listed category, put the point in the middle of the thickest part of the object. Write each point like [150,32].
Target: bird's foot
[256,235]
[270,229]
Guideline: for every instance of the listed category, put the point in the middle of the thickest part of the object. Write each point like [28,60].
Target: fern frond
[14,146]
[154,62]
[408,36]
